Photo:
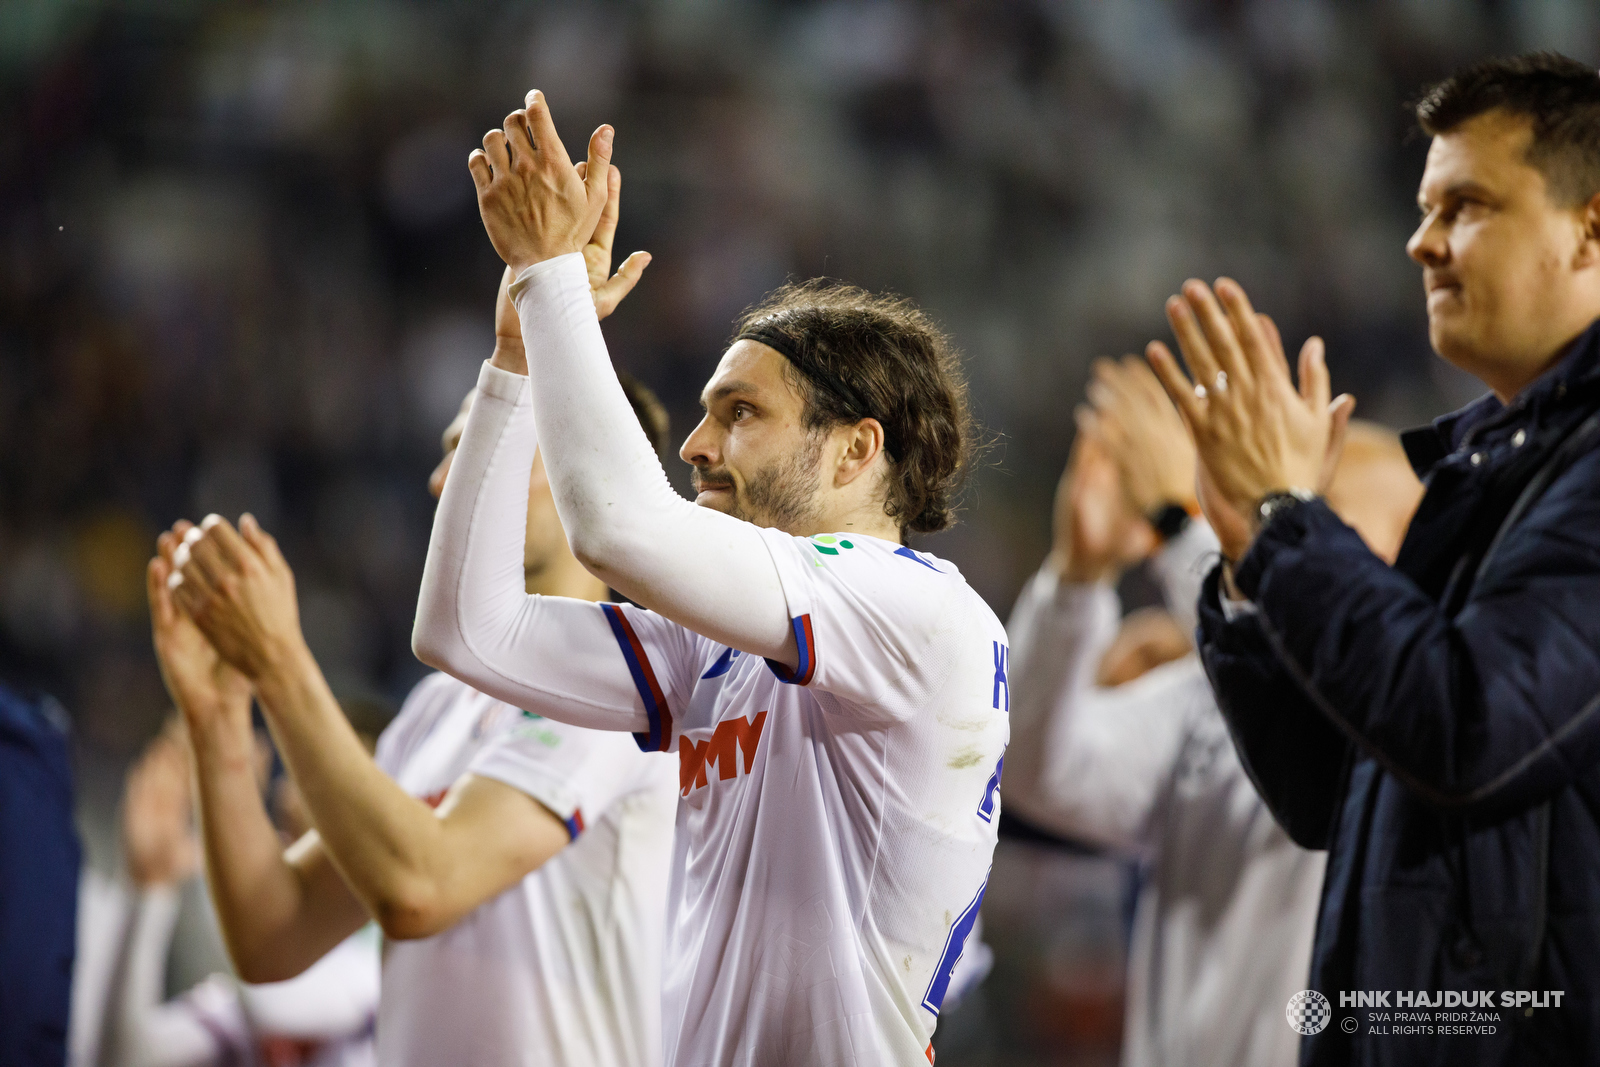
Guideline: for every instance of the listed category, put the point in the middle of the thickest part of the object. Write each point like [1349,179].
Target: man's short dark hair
[652,415]
[1561,98]
[901,367]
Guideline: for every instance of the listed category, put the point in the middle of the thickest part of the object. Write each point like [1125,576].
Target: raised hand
[1144,433]
[1254,432]
[158,838]
[534,204]
[606,288]
[1097,534]
[203,685]
[239,590]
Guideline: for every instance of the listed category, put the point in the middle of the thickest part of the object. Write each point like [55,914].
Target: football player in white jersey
[525,910]
[837,700]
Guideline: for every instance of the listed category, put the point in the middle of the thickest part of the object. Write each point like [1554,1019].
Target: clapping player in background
[517,865]
[1224,920]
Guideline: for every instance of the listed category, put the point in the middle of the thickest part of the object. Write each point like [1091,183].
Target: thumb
[1339,412]
[620,284]
[597,172]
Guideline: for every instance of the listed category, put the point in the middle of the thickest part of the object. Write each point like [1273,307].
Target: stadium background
[241,268]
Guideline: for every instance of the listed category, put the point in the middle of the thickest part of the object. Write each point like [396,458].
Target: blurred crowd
[240,270]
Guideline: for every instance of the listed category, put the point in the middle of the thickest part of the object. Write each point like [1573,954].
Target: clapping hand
[239,590]
[205,687]
[1144,434]
[1097,534]
[534,204]
[1253,431]
[515,198]
[158,840]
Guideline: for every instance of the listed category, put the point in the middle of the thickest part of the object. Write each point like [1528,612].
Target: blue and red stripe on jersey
[805,642]
[574,824]
[659,738]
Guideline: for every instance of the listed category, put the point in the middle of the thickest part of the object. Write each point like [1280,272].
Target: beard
[781,495]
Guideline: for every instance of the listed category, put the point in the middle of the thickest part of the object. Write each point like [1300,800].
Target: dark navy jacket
[1436,727]
[39,859]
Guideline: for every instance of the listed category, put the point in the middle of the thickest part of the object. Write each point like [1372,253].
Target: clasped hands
[224,613]
[1255,433]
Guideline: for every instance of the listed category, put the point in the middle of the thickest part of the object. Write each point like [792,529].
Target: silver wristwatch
[1281,500]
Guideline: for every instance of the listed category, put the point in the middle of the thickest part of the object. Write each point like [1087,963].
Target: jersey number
[986,805]
[954,946]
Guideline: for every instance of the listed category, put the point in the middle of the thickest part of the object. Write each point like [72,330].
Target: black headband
[800,355]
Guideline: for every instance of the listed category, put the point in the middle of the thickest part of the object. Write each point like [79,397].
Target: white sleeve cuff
[503,385]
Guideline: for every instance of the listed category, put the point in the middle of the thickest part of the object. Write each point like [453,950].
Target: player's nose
[700,448]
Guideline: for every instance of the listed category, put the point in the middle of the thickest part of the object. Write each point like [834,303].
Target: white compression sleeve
[1058,633]
[703,570]
[141,1031]
[1093,760]
[548,655]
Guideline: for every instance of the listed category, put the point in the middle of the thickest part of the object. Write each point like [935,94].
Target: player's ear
[862,445]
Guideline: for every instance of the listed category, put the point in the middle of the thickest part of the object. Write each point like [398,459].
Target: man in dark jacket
[1433,725]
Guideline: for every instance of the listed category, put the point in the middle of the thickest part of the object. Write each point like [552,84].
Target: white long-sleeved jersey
[1224,923]
[562,969]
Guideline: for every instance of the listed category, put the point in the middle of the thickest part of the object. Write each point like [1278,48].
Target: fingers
[1221,346]
[1269,331]
[494,147]
[519,142]
[264,543]
[606,229]
[229,544]
[190,589]
[155,588]
[1315,384]
[1144,381]
[552,153]
[1258,359]
[478,164]
[207,556]
[1177,386]
[597,176]
[1339,412]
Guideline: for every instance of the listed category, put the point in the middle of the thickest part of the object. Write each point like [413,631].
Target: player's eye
[740,411]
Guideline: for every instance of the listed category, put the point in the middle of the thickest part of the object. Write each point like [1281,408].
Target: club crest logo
[1309,1012]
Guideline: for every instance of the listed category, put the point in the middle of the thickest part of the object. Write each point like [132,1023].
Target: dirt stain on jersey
[966,757]
[979,723]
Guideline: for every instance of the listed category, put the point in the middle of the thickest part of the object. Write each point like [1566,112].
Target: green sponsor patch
[829,545]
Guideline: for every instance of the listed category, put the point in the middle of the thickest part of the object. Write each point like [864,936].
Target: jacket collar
[1579,367]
